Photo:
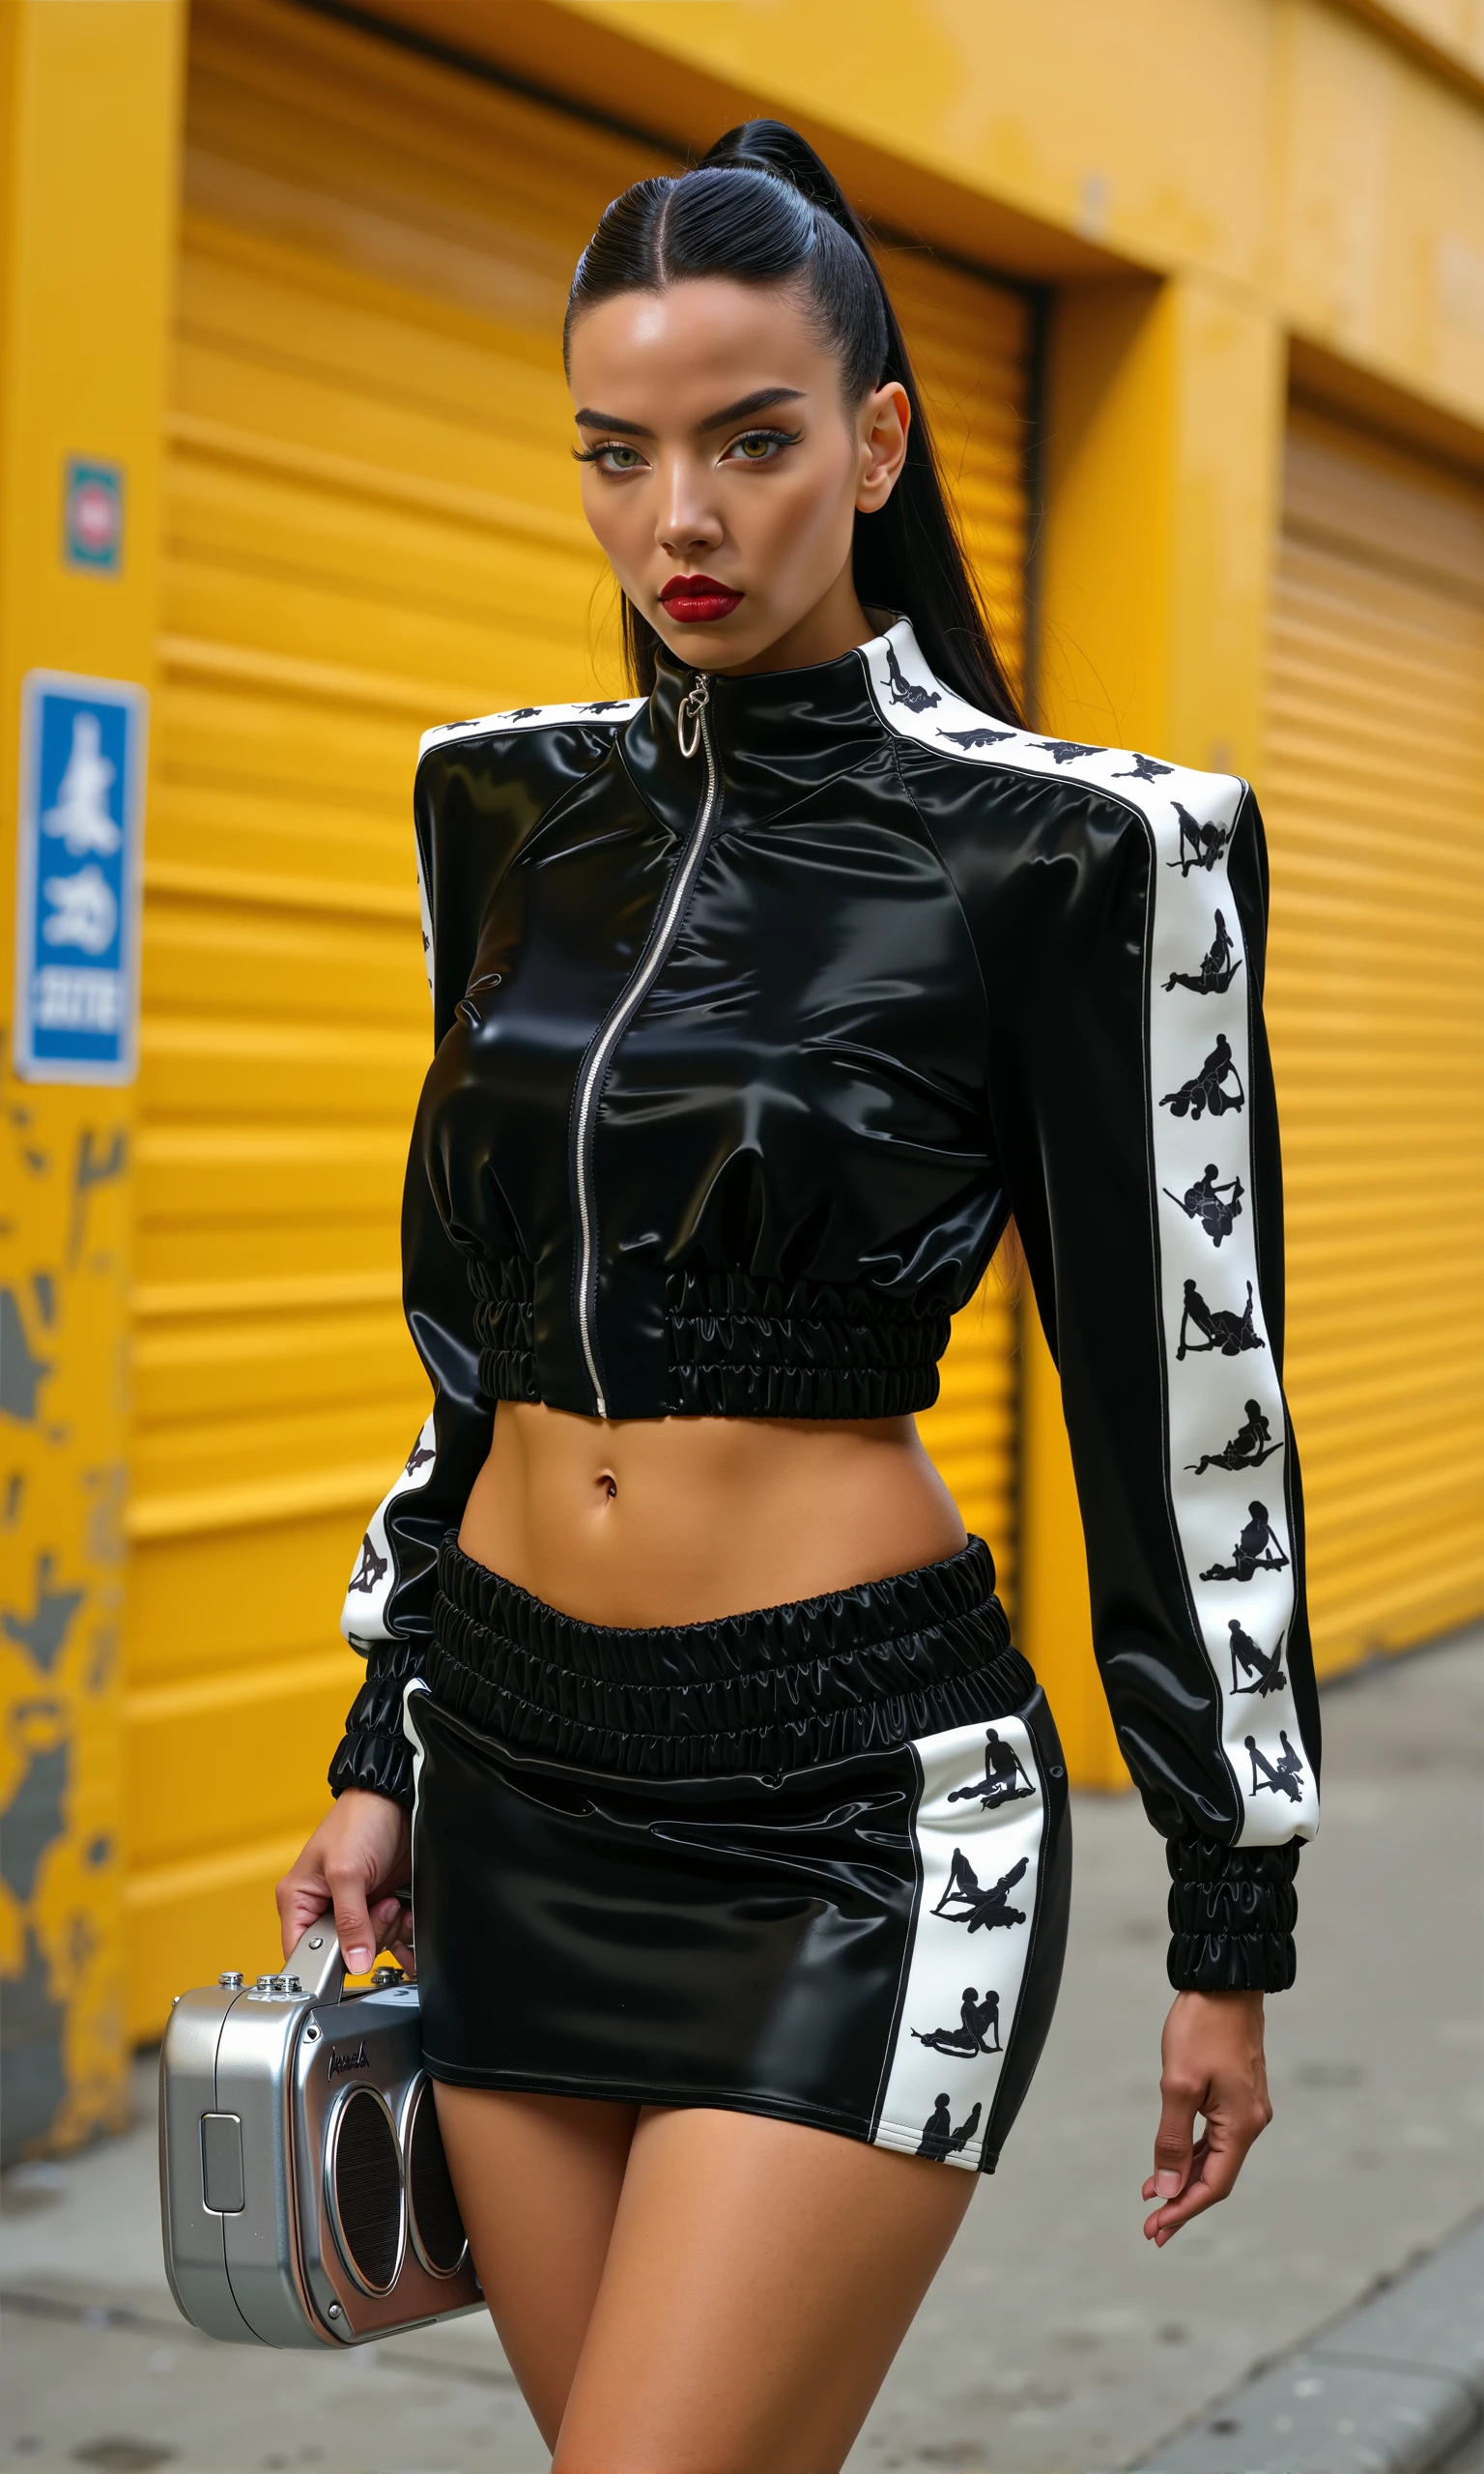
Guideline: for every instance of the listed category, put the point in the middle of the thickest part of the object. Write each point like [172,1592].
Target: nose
[687,523]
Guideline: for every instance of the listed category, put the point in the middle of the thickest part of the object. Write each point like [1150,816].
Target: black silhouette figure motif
[1257,1550]
[1203,1202]
[1217,968]
[917,700]
[940,2140]
[605,705]
[371,1568]
[522,713]
[976,2019]
[1003,1768]
[419,1454]
[1265,1671]
[1062,750]
[1204,1090]
[1224,1331]
[983,1908]
[1250,1446]
[975,738]
[1144,769]
[1200,845]
[1286,1779]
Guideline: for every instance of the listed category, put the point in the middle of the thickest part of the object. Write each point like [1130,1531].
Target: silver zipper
[693,728]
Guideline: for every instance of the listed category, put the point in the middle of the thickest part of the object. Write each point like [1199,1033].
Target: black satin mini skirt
[812,1861]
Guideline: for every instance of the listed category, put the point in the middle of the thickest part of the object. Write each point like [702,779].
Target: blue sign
[78,909]
[92,515]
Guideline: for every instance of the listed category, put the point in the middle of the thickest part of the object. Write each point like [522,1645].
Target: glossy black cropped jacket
[758,1009]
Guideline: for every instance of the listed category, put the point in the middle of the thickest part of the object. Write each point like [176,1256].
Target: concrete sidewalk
[1055,2339]
[1398,2383]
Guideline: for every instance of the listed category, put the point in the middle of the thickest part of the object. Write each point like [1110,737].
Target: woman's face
[722,470]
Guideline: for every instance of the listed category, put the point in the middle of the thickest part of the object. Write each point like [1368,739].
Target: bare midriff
[680,1520]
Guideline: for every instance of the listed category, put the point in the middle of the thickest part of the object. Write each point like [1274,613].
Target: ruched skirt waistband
[766,1692]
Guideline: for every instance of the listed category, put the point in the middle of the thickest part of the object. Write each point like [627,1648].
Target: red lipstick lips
[694,601]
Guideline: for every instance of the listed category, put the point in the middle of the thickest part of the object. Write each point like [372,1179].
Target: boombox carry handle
[316,1960]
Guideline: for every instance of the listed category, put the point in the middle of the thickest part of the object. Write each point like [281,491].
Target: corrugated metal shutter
[970,343]
[1374,796]
[372,527]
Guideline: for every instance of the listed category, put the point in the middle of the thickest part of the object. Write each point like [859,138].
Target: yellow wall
[1447,33]
[1373,791]
[88,96]
[1290,150]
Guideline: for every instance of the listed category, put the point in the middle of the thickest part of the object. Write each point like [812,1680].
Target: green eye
[760,446]
[612,456]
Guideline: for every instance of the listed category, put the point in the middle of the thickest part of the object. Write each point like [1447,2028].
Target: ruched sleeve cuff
[373,1753]
[1231,1916]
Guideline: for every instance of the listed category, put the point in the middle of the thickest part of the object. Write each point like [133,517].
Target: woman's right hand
[358,1862]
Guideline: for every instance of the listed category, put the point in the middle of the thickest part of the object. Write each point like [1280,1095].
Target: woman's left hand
[1213,2064]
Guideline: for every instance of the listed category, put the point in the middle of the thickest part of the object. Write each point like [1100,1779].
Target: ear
[883,421]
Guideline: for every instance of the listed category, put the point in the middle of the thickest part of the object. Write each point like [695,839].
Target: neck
[834,625]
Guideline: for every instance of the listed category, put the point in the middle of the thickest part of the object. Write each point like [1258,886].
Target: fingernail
[357,1961]
[1167,2186]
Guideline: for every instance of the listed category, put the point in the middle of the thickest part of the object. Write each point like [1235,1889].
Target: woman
[761,1002]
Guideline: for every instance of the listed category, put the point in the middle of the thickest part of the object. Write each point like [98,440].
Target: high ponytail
[762,208]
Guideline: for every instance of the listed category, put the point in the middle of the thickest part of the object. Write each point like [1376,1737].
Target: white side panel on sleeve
[979,1829]
[1226,1425]
[363,1616]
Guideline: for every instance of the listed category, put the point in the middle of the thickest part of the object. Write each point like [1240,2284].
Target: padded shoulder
[1190,815]
[481,788]
[611,711]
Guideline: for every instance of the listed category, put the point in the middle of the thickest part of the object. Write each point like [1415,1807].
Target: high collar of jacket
[777,736]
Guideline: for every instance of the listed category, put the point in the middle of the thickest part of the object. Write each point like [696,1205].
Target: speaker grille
[437,2227]
[365,2174]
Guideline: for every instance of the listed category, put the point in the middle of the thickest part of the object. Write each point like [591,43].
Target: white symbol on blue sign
[81,813]
[83,912]
[77,917]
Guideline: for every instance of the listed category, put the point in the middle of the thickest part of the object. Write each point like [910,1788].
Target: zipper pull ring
[692,707]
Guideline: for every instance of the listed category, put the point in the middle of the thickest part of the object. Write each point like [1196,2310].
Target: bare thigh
[538,2181]
[760,2278]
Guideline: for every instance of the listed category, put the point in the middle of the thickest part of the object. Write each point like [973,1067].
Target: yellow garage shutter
[971,345]
[1374,794]
[371,526]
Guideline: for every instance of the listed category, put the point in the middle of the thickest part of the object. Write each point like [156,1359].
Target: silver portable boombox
[304,2189]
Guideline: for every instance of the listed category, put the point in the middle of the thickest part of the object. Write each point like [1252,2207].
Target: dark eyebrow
[743,411]
[759,401]
[586,419]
